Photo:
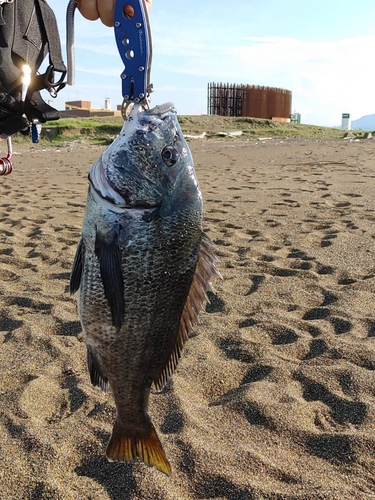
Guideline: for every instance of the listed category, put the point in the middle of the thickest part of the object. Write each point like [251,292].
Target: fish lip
[102,187]
[105,191]
[121,208]
[143,208]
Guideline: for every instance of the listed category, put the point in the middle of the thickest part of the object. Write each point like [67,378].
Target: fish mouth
[158,113]
[102,190]
[161,110]
[101,186]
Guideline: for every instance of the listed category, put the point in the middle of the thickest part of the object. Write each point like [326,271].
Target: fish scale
[143,269]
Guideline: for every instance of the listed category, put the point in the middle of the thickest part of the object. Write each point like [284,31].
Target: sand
[274,397]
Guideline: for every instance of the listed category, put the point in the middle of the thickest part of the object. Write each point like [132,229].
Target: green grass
[95,129]
[102,130]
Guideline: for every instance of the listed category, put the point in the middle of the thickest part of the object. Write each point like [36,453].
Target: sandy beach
[274,397]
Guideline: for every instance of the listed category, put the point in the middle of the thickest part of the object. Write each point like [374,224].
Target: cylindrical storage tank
[279,103]
[255,102]
[107,104]
[275,103]
[249,100]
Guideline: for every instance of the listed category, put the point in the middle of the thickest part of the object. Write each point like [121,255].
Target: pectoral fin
[108,252]
[75,277]
[205,271]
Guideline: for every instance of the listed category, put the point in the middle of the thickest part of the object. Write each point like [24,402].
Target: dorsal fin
[205,271]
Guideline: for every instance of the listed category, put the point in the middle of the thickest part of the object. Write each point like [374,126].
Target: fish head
[149,164]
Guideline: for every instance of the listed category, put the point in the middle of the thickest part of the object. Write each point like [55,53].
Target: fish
[143,270]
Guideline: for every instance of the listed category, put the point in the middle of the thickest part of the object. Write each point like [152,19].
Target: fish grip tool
[133,38]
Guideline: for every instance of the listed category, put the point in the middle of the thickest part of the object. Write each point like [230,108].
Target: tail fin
[126,445]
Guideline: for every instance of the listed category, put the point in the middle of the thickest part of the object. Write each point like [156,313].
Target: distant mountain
[365,123]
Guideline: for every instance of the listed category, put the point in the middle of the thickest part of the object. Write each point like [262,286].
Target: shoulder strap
[36,33]
[53,38]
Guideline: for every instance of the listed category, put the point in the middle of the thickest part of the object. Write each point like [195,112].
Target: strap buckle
[47,81]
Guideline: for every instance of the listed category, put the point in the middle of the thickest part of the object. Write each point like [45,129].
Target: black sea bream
[142,268]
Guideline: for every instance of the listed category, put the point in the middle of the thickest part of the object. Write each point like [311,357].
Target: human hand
[103,9]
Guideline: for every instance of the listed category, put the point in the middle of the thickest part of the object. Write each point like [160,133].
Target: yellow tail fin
[126,445]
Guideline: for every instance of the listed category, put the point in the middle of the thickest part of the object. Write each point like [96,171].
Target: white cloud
[332,76]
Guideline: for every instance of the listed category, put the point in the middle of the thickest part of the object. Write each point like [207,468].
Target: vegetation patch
[102,130]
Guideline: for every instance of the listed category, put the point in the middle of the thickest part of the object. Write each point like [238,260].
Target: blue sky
[320,50]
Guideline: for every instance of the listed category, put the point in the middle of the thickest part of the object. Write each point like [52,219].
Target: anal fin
[98,379]
[126,444]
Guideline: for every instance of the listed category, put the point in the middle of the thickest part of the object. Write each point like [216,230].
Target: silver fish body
[143,268]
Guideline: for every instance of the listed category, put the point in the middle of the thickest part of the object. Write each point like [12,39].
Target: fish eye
[169,155]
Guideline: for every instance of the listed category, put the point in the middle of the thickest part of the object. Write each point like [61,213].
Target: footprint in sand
[283,336]
[317,348]
[327,240]
[215,304]
[256,373]
[371,329]
[249,322]
[76,396]
[174,420]
[329,298]
[323,269]
[317,313]
[336,448]
[341,325]
[343,411]
[233,350]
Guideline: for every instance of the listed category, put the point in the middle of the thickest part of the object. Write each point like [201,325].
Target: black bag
[28,32]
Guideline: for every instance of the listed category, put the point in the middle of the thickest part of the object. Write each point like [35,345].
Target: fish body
[143,268]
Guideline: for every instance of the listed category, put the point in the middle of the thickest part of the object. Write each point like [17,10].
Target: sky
[321,50]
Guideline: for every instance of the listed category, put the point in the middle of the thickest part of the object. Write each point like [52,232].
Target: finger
[93,9]
[129,11]
[88,9]
[106,11]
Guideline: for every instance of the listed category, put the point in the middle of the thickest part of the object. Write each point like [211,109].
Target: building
[346,121]
[249,100]
[84,109]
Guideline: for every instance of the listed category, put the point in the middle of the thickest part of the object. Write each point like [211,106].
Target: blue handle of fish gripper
[34,133]
[133,43]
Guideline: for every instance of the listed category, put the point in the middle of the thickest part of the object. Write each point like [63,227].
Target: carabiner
[6,165]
